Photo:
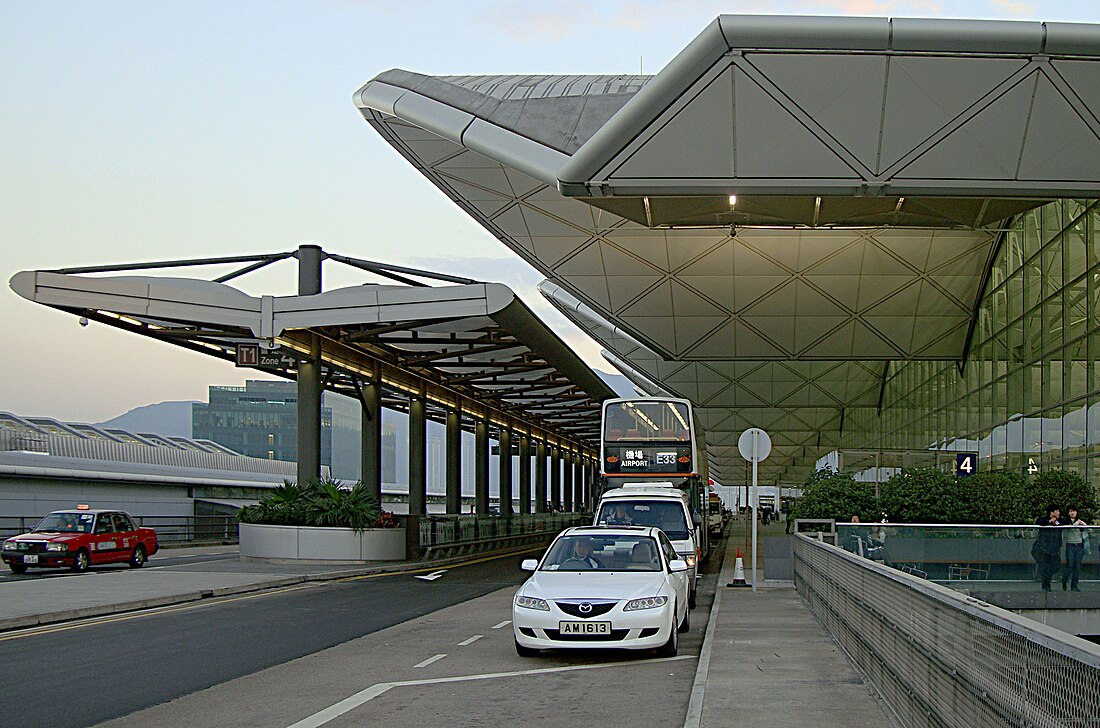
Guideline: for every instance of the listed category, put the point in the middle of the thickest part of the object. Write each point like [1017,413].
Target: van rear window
[667,516]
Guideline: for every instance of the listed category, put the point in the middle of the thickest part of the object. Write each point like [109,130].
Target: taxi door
[105,545]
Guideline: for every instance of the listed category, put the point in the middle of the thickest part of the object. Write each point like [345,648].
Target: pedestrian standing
[1076,539]
[1047,549]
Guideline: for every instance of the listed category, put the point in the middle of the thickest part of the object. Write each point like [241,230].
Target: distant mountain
[172,419]
[618,383]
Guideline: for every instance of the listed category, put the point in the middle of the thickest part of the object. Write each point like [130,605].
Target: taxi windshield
[67,523]
[613,552]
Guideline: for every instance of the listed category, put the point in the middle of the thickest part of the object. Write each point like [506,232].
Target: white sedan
[603,587]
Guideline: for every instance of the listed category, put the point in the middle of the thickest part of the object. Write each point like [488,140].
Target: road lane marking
[470,641]
[432,576]
[155,611]
[336,710]
[430,660]
[505,623]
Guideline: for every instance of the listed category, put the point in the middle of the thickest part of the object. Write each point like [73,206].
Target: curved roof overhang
[472,346]
[874,162]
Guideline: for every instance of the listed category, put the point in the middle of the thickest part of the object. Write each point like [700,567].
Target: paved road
[165,557]
[82,674]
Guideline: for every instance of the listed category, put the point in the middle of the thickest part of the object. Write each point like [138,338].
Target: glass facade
[1027,395]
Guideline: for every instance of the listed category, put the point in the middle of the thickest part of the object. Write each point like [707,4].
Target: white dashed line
[470,641]
[505,623]
[430,660]
[363,696]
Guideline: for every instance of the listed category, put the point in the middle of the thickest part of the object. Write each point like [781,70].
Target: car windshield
[665,515]
[67,522]
[613,552]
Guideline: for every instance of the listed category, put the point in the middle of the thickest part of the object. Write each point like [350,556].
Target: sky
[139,131]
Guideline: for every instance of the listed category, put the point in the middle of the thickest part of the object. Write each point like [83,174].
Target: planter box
[310,543]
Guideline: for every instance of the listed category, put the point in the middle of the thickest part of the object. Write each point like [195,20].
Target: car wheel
[668,649]
[686,624]
[18,568]
[82,561]
[138,559]
[691,600]
[525,651]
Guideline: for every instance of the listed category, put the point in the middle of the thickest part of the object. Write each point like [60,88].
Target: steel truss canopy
[788,206]
[468,345]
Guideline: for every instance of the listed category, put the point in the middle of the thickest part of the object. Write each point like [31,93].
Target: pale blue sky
[152,130]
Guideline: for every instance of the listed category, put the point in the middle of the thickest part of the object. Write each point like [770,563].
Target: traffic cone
[738,572]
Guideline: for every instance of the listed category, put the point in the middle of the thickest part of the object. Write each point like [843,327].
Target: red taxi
[79,538]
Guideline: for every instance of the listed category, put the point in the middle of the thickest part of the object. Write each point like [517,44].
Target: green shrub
[995,497]
[923,495]
[828,494]
[1062,488]
[317,503]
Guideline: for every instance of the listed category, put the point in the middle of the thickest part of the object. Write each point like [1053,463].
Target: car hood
[594,585]
[54,536]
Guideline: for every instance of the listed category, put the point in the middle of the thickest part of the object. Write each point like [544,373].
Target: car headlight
[645,603]
[57,547]
[532,603]
[10,545]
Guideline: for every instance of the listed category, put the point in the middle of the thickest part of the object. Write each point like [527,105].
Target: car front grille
[615,636]
[30,547]
[595,608]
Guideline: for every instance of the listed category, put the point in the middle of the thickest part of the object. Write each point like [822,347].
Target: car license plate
[584,627]
[30,559]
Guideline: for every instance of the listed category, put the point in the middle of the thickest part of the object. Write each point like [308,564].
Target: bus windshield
[639,420]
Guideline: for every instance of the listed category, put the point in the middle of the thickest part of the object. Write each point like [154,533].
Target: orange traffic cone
[738,572]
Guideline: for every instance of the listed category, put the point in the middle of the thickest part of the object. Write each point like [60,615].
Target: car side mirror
[529,564]
[677,565]
[697,519]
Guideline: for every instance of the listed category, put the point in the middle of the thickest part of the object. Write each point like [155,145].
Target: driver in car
[582,551]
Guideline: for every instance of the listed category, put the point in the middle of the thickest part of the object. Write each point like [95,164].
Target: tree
[923,495]
[996,496]
[1062,489]
[828,494]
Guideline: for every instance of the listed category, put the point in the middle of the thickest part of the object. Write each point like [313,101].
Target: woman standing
[1075,539]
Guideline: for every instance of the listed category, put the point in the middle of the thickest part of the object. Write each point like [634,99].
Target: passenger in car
[582,551]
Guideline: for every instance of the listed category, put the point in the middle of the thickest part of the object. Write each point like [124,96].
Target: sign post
[755,445]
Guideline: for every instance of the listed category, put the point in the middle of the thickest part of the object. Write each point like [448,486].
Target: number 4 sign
[966,463]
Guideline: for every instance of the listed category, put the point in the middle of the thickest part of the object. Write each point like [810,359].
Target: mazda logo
[584,608]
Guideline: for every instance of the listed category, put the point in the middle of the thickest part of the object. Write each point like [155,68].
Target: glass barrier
[982,558]
[441,530]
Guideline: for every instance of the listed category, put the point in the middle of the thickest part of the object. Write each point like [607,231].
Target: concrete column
[309,374]
[418,461]
[524,474]
[370,471]
[454,462]
[481,467]
[555,477]
[567,482]
[580,504]
[540,478]
[504,470]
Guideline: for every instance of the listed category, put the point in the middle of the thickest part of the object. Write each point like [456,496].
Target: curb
[68,615]
[694,716]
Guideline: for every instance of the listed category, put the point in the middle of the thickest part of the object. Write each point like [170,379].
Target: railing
[940,658]
[171,530]
[457,534]
[987,558]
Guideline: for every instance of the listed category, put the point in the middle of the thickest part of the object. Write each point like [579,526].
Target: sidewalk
[52,597]
[767,662]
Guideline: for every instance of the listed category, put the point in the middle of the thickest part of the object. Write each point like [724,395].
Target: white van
[660,505]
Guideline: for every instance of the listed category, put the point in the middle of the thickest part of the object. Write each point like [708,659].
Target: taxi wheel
[18,568]
[82,561]
[525,651]
[686,624]
[138,559]
[691,600]
[669,649]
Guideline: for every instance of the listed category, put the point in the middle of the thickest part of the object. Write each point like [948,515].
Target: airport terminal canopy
[469,345]
[789,203]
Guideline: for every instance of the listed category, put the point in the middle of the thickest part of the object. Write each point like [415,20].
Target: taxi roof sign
[82,507]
